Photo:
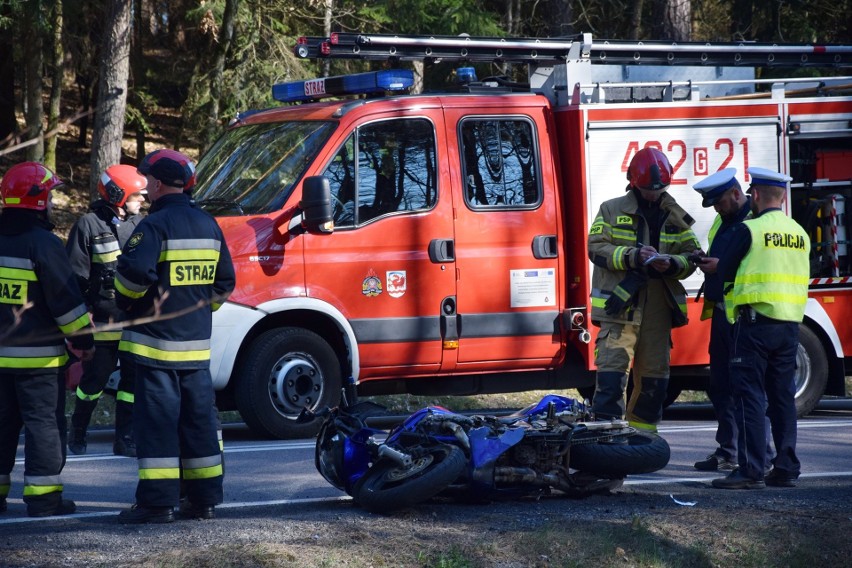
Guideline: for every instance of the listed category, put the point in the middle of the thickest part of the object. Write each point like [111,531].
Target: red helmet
[27,185]
[119,182]
[649,169]
[170,167]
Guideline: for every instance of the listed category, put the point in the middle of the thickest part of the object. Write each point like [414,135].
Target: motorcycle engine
[525,454]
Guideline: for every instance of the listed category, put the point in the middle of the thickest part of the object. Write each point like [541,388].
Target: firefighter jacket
[615,237]
[40,301]
[173,270]
[772,277]
[93,247]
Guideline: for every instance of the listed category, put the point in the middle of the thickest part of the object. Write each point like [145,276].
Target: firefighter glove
[625,292]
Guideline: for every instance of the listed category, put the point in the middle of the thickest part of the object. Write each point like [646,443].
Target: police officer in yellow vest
[723,192]
[639,244]
[766,271]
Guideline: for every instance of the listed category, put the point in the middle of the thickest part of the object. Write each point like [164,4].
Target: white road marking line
[342,498]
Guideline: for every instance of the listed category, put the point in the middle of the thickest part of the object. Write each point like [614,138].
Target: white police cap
[762,176]
[715,185]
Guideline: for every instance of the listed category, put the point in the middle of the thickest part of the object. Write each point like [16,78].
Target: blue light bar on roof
[358,84]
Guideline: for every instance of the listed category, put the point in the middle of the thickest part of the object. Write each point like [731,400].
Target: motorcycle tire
[388,486]
[635,454]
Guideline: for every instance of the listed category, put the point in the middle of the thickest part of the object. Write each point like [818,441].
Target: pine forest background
[85,84]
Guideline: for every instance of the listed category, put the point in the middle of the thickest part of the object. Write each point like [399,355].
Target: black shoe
[191,511]
[77,441]
[65,507]
[714,462]
[2,504]
[777,479]
[736,480]
[136,515]
[124,447]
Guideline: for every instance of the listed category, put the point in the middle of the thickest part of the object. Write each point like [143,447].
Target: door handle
[544,246]
[442,250]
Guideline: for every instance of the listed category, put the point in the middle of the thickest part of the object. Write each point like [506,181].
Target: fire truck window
[500,163]
[341,178]
[393,171]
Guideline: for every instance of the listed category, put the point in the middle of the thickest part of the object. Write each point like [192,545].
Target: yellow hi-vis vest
[773,276]
[707,307]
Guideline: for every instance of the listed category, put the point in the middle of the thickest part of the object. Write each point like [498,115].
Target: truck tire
[811,371]
[284,371]
[639,453]
[387,486]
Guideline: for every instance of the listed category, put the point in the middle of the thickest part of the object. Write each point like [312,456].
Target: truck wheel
[284,371]
[811,371]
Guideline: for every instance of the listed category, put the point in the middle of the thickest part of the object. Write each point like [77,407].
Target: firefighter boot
[124,444]
[79,424]
[49,505]
[608,402]
[645,408]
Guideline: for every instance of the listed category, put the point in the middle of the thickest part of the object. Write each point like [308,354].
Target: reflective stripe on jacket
[177,268]
[613,245]
[40,301]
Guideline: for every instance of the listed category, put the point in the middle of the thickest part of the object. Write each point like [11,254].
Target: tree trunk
[674,18]
[226,35]
[33,60]
[8,125]
[57,76]
[112,90]
[326,28]
[137,67]
[636,20]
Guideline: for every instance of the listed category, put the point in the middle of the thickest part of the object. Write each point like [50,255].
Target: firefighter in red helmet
[40,305]
[93,247]
[177,267]
[639,244]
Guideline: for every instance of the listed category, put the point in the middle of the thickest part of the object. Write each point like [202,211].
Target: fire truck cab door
[506,238]
[390,217]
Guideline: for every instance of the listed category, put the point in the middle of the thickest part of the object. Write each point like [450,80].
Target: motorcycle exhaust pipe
[401,458]
[515,475]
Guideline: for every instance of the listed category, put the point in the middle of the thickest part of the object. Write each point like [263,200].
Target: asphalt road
[264,472]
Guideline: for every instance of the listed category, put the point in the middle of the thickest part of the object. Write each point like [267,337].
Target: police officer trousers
[174,423]
[762,367]
[35,402]
[719,390]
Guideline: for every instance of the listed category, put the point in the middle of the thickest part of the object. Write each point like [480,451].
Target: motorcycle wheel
[387,486]
[638,453]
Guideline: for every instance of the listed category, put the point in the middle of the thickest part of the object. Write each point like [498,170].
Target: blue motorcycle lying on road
[553,444]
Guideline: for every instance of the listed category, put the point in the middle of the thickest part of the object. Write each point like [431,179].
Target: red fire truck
[436,242]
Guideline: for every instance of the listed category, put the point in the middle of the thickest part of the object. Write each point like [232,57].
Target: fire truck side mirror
[316,205]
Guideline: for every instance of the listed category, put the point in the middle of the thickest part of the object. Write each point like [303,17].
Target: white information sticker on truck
[533,287]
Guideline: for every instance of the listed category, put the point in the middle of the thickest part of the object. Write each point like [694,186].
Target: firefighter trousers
[96,374]
[175,426]
[36,403]
[648,348]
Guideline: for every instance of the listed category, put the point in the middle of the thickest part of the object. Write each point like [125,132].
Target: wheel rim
[399,473]
[803,369]
[295,382]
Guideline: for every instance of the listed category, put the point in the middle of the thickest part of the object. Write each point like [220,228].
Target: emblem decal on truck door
[396,282]
[371,286]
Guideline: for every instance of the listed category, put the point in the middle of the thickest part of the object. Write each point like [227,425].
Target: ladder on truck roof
[550,51]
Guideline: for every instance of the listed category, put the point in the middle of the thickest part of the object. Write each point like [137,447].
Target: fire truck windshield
[251,169]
